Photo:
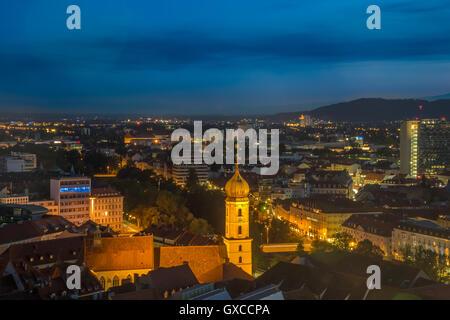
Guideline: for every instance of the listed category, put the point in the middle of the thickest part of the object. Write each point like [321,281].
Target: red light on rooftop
[420,107]
[443,118]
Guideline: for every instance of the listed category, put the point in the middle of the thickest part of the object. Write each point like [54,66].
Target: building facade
[106,208]
[50,205]
[71,195]
[180,173]
[315,221]
[377,231]
[13,199]
[424,147]
[115,260]
[11,164]
[336,184]
[30,160]
[420,234]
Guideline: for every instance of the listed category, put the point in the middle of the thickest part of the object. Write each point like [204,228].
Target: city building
[35,230]
[319,218]
[169,235]
[444,221]
[37,270]
[106,208]
[30,160]
[115,260]
[424,147]
[337,184]
[11,164]
[420,233]
[237,239]
[50,205]
[166,282]
[14,213]
[180,173]
[13,199]
[373,228]
[71,195]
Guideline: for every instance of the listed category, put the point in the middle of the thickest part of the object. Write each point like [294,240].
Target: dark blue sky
[210,56]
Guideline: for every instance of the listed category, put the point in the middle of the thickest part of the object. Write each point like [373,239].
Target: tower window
[240,247]
[239,230]
[240,212]
[240,259]
[116,281]
[102,282]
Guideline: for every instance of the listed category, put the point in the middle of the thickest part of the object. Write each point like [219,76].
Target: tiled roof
[205,261]
[172,278]
[370,224]
[46,252]
[120,253]
[179,237]
[34,228]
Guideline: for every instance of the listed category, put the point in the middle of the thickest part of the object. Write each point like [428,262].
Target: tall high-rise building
[424,147]
[71,195]
[237,237]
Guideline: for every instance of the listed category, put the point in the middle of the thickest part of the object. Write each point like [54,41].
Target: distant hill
[375,110]
[434,98]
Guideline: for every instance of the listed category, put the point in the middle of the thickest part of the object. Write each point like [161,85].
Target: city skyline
[219,58]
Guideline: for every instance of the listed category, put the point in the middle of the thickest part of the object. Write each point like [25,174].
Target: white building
[11,164]
[30,160]
[180,173]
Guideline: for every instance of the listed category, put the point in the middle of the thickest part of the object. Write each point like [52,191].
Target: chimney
[97,237]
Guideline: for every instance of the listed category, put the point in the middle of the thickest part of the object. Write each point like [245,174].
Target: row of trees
[431,262]
[86,162]
[343,241]
[153,200]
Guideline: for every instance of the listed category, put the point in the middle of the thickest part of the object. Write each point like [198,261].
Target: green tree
[407,254]
[432,263]
[147,216]
[174,205]
[192,181]
[343,241]
[367,248]
[199,226]
[320,245]
[301,249]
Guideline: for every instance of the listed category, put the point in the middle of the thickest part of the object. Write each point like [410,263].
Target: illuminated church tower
[237,239]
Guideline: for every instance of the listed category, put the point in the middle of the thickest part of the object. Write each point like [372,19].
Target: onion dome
[237,187]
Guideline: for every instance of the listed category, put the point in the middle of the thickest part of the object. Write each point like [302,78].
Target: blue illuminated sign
[76,189]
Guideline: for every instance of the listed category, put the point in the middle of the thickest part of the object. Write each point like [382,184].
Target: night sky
[223,57]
